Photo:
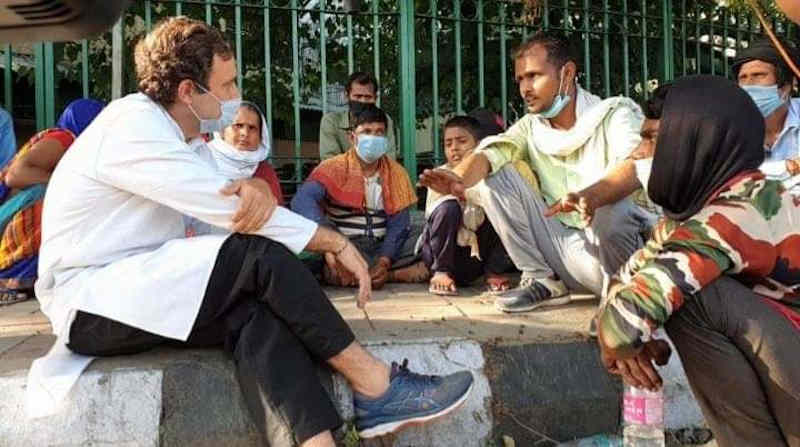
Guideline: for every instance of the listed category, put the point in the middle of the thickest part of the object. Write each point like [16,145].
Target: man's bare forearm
[473,169]
[326,240]
[619,183]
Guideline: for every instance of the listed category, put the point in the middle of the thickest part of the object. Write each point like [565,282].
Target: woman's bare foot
[442,284]
[497,283]
[413,273]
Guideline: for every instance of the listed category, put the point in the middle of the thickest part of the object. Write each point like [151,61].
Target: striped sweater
[750,230]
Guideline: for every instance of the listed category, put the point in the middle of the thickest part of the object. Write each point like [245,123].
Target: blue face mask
[561,100]
[371,147]
[766,97]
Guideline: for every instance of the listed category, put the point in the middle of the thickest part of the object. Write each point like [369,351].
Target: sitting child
[458,242]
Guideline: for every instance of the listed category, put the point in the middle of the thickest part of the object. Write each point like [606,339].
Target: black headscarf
[710,131]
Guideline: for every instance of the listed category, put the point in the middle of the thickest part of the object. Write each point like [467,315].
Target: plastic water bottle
[643,412]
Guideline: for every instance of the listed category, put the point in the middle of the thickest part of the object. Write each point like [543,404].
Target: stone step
[537,376]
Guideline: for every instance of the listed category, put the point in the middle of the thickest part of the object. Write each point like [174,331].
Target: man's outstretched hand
[443,182]
[574,202]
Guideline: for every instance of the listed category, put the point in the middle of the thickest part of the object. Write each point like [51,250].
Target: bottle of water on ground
[643,412]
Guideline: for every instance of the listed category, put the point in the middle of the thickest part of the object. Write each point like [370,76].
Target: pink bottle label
[643,410]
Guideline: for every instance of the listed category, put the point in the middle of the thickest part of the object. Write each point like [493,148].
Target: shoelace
[405,374]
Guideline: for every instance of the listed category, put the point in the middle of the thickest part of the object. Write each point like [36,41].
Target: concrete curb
[533,392]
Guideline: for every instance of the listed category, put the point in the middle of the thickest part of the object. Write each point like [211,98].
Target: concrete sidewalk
[538,378]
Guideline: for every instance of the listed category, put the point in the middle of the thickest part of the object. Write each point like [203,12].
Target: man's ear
[570,73]
[352,137]
[185,90]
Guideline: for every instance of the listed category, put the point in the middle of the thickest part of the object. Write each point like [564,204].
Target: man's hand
[352,261]
[256,206]
[793,166]
[574,201]
[336,273]
[638,370]
[443,182]
[380,272]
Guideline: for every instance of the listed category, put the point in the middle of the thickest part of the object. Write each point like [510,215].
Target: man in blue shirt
[763,74]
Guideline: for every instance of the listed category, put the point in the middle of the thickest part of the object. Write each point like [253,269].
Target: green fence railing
[433,58]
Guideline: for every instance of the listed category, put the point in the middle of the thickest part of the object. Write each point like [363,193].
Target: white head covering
[239,164]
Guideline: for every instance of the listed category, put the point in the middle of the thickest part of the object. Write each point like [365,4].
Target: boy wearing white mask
[366,196]
[762,73]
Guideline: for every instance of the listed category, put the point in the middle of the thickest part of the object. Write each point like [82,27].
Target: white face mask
[226,117]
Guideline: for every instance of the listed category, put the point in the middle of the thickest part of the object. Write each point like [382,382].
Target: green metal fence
[433,58]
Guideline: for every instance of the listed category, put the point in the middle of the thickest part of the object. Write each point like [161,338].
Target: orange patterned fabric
[22,236]
[344,182]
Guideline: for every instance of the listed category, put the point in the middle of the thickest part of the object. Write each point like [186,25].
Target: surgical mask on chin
[643,168]
[766,97]
[559,102]
[371,147]
[226,117]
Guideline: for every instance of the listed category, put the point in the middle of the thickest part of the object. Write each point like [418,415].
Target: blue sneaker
[411,399]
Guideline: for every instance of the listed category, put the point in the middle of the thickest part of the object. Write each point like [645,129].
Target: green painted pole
[606,51]
[711,41]
[237,19]
[323,55]
[481,58]
[209,17]
[8,79]
[436,143]
[626,63]
[39,86]
[148,15]
[408,87]
[267,67]
[587,49]
[298,165]
[49,85]
[545,15]
[667,40]
[350,58]
[698,54]
[503,64]
[459,74]
[178,8]
[376,46]
[726,18]
[644,50]
[85,67]
[684,17]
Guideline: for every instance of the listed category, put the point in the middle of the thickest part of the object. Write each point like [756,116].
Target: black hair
[655,105]
[467,123]
[369,113]
[362,78]
[559,49]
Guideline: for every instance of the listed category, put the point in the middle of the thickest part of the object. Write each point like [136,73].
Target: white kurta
[113,235]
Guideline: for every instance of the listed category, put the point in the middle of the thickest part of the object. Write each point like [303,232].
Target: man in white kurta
[117,275]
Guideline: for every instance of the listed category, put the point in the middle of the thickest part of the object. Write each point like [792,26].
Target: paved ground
[398,312]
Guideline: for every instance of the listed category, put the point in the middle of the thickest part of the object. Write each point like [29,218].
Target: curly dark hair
[177,48]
